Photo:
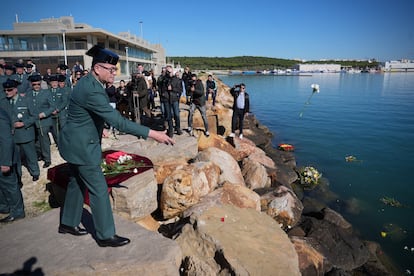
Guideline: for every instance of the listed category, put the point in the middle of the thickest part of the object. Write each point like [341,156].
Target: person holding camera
[198,100]
[241,107]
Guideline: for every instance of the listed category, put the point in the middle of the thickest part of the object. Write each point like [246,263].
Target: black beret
[61,78]
[34,78]
[1,66]
[10,83]
[62,66]
[8,67]
[100,54]
[19,65]
[53,78]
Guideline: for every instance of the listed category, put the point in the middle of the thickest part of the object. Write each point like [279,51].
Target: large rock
[311,262]
[255,174]
[341,247]
[230,170]
[136,197]
[234,241]
[230,194]
[185,148]
[184,187]
[216,141]
[34,247]
[281,204]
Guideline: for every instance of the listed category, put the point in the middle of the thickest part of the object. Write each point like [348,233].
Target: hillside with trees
[255,63]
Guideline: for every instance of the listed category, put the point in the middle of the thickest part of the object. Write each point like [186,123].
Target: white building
[399,66]
[322,68]
[56,41]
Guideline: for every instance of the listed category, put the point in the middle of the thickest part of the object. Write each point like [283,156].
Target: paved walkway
[34,245]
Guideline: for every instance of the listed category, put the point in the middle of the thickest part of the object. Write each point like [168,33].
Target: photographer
[196,89]
[241,107]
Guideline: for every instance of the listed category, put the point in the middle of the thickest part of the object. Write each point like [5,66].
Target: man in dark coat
[80,146]
[241,106]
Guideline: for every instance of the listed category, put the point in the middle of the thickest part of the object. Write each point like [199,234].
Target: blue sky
[304,29]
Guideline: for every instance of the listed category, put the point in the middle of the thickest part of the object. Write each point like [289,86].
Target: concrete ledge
[34,245]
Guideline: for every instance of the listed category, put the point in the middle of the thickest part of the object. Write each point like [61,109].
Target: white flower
[19,116]
[135,170]
[315,87]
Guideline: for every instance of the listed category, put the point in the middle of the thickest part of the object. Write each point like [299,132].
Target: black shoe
[179,132]
[35,178]
[113,241]
[76,231]
[46,164]
[10,218]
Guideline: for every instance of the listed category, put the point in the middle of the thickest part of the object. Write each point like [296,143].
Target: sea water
[368,116]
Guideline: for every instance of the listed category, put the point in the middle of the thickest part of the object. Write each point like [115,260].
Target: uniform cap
[100,54]
[19,65]
[10,83]
[34,78]
[53,78]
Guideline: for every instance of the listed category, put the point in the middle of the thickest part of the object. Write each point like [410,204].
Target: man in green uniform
[23,127]
[60,100]
[43,107]
[11,200]
[65,91]
[80,146]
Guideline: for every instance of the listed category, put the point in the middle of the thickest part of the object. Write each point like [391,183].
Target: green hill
[253,63]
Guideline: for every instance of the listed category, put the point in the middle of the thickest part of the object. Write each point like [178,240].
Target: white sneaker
[241,136]
[207,133]
[232,134]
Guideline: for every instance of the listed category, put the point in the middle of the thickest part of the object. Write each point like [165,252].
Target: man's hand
[5,169]
[161,137]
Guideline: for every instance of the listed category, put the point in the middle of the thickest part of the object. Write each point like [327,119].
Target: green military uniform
[42,102]
[24,137]
[11,200]
[60,99]
[80,146]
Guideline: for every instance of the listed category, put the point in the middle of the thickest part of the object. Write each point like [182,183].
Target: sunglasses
[8,89]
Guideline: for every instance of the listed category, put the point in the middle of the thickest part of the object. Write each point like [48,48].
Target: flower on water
[309,176]
[383,234]
[315,87]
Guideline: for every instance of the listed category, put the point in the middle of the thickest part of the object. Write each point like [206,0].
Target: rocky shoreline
[234,206]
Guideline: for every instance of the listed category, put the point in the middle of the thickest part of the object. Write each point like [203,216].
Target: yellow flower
[383,234]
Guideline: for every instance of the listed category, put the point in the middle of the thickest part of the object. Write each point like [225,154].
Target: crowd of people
[74,106]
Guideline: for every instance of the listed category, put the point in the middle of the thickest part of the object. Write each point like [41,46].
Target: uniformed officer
[42,109]
[21,77]
[66,90]
[80,146]
[60,100]
[11,200]
[23,126]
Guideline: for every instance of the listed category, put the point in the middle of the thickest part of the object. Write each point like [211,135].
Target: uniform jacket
[21,112]
[89,109]
[43,102]
[8,155]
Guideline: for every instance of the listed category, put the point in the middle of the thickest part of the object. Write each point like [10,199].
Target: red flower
[113,157]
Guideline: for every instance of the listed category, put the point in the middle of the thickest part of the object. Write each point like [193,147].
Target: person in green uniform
[23,126]
[80,146]
[60,100]
[65,91]
[43,107]
[11,200]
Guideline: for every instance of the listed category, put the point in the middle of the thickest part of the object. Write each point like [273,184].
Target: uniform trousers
[11,199]
[82,177]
